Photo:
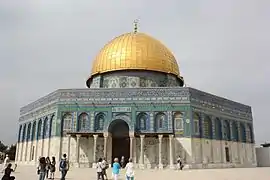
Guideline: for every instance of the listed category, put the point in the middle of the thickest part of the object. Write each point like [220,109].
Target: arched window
[178,121]
[141,121]
[19,135]
[83,120]
[196,124]
[218,129]
[160,121]
[243,132]
[24,132]
[45,128]
[67,122]
[39,130]
[28,132]
[99,121]
[207,127]
[235,131]
[227,130]
[33,131]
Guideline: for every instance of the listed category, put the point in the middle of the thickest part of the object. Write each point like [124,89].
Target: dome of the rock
[135,52]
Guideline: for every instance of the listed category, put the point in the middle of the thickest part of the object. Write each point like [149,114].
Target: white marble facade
[158,152]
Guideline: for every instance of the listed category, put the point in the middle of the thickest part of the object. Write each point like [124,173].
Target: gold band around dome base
[135,51]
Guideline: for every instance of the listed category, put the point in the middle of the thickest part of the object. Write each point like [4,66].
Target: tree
[3,147]
[11,151]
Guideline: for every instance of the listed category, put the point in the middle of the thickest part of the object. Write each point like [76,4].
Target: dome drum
[134,79]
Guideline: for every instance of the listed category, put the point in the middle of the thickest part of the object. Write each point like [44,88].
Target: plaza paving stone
[29,173]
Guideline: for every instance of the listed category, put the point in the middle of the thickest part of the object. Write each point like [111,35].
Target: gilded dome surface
[135,51]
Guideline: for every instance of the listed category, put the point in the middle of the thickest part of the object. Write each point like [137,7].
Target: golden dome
[135,51]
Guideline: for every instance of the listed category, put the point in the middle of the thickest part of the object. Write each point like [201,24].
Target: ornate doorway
[120,139]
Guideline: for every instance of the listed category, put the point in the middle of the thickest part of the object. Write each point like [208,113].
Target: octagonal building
[136,106]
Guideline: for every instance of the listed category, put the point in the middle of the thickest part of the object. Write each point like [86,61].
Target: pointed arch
[24,132]
[83,120]
[45,127]
[39,130]
[207,127]
[218,129]
[99,121]
[51,125]
[34,131]
[235,131]
[28,131]
[196,123]
[227,130]
[160,119]
[67,122]
[179,121]
[141,121]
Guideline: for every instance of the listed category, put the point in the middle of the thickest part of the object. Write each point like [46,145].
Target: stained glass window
[142,118]
[160,118]
[243,132]
[67,119]
[207,127]
[39,134]
[45,127]
[28,131]
[24,132]
[178,120]
[83,119]
[100,121]
[33,131]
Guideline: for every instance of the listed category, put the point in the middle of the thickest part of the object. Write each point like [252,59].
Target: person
[42,168]
[122,162]
[52,169]
[6,162]
[130,170]
[100,168]
[115,169]
[106,166]
[8,171]
[48,166]
[179,163]
[64,167]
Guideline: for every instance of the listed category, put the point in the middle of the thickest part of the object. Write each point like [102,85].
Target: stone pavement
[29,173]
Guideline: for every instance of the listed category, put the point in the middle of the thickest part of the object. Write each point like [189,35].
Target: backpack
[107,165]
[63,164]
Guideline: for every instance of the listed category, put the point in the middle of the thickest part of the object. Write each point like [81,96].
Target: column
[171,138]
[36,156]
[89,152]
[95,150]
[134,151]
[160,165]
[78,150]
[142,152]
[131,137]
[68,151]
[17,150]
[105,145]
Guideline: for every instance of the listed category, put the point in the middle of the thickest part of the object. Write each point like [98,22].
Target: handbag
[38,171]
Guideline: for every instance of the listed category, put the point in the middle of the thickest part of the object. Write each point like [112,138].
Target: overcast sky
[222,47]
